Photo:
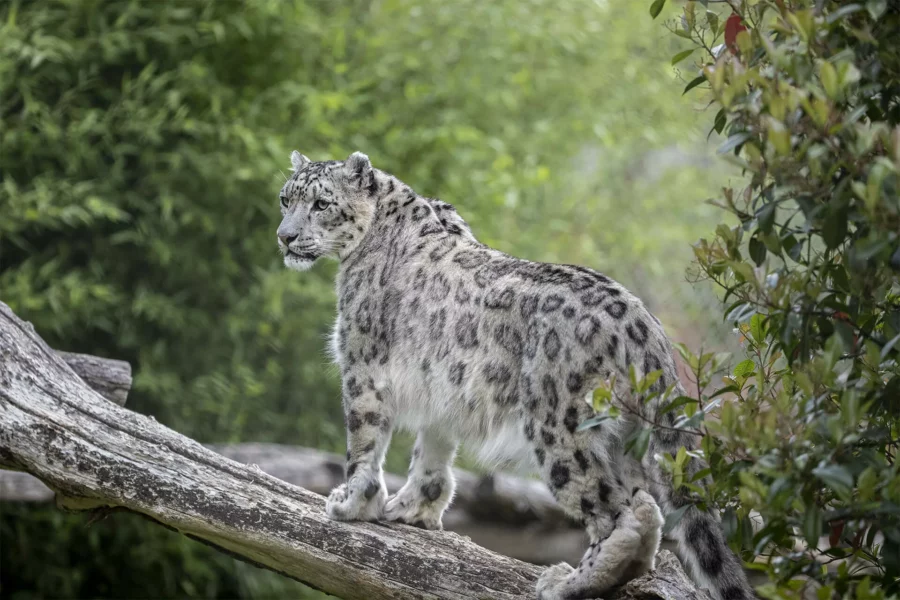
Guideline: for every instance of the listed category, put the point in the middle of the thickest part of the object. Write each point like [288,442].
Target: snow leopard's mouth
[300,261]
[302,255]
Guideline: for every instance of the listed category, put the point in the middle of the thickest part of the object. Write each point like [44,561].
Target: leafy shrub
[803,452]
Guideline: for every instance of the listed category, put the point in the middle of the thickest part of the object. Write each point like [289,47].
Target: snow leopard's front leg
[369,425]
[430,485]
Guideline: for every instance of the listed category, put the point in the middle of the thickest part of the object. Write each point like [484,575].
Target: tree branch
[109,378]
[513,516]
[96,454]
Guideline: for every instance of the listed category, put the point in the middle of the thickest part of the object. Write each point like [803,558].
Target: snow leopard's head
[326,208]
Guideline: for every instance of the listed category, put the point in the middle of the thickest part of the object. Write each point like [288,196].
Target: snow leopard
[443,336]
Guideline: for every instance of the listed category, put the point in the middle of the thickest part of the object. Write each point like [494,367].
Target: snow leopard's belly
[444,396]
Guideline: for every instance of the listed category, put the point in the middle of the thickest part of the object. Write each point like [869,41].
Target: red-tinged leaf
[837,528]
[733,26]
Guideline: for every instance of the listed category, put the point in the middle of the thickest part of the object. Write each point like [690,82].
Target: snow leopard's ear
[298,161]
[358,168]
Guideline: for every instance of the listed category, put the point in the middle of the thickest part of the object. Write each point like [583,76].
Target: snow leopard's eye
[284,201]
[320,205]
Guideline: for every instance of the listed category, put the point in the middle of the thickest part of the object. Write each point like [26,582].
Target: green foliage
[63,572]
[804,452]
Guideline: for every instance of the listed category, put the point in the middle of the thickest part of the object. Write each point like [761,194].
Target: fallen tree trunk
[503,499]
[96,454]
[504,513]
[109,378]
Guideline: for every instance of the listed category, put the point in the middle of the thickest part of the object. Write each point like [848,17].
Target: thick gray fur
[439,334]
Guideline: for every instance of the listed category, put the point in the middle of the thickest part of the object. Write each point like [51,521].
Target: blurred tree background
[141,144]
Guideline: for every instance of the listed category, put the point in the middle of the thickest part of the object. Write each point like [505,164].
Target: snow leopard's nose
[287,239]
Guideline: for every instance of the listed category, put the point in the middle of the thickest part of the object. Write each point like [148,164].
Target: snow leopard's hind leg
[430,485]
[584,470]
[628,552]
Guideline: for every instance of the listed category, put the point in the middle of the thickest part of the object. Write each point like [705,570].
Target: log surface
[94,454]
[514,516]
[109,378]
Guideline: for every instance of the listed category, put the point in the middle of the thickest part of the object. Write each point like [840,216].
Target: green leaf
[692,421]
[758,328]
[867,248]
[839,276]
[720,121]
[733,142]
[792,246]
[765,216]
[812,526]
[834,348]
[772,243]
[876,8]
[592,422]
[842,12]
[677,403]
[854,115]
[701,474]
[694,83]
[638,443]
[683,351]
[713,20]
[834,230]
[742,271]
[757,251]
[740,312]
[888,347]
[779,485]
[829,77]
[866,484]
[728,389]
[837,477]
[681,56]
[745,368]
[656,8]
[674,518]
[877,175]
[649,379]
[602,395]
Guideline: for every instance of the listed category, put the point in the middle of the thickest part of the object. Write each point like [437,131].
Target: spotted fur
[441,335]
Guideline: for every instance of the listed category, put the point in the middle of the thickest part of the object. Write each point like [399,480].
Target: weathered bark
[667,582]
[95,454]
[514,516]
[501,498]
[109,378]
[503,513]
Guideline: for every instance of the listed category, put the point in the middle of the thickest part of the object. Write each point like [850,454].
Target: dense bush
[804,451]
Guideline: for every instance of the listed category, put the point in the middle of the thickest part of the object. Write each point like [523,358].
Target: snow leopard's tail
[702,547]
